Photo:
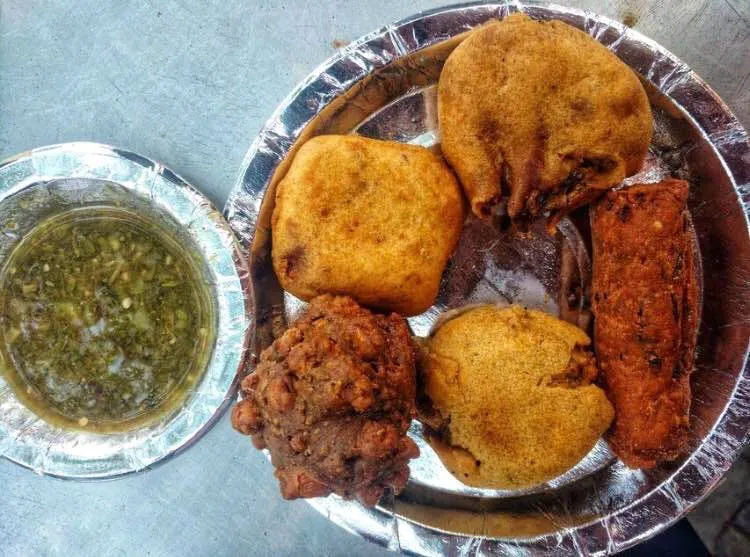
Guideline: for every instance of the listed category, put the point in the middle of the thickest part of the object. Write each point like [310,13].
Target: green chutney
[105,321]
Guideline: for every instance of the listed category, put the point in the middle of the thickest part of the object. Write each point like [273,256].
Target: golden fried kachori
[374,220]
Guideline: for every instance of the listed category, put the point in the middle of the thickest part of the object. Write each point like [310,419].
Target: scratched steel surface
[190,83]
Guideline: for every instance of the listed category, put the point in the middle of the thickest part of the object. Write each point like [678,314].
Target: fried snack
[332,399]
[542,113]
[645,317]
[375,220]
[513,396]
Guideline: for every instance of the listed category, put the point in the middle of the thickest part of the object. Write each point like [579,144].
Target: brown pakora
[646,299]
[542,113]
[332,399]
[374,220]
[511,396]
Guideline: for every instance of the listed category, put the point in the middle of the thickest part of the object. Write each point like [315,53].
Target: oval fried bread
[513,390]
[542,113]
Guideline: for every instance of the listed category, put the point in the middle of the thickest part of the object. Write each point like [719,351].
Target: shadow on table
[678,541]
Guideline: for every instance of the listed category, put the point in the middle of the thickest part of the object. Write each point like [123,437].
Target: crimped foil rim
[705,467]
[146,447]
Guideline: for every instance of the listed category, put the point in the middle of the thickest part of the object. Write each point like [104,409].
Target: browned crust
[331,400]
[645,290]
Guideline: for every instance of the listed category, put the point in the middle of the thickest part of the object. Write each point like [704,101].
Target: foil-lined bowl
[51,180]
[383,86]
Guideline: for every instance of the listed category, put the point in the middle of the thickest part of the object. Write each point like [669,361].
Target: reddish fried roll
[645,308]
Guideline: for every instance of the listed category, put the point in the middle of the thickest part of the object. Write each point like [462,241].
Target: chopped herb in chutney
[105,323]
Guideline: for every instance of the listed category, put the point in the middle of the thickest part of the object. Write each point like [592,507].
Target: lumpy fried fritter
[375,220]
[542,113]
[646,311]
[332,399]
[511,395]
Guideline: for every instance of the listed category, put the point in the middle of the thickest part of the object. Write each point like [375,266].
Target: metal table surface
[189,83]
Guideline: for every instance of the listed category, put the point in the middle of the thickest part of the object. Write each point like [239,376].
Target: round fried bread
[513,390]
[542,113]
[375,220]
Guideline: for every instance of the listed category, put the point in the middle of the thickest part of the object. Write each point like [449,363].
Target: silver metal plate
[383,86]
[47,181]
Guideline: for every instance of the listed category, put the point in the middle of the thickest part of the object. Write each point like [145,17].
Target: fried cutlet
[541,113]
[645,317]
[375,220]
[511,395]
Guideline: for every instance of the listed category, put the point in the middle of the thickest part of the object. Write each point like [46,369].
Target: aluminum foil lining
[383,85]
[49,180]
